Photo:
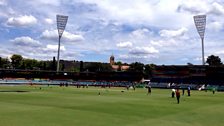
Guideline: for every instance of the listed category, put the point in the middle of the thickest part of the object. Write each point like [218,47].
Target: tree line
[18,62]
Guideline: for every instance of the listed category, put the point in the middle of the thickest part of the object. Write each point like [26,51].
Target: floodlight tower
[200,23]
[61,23]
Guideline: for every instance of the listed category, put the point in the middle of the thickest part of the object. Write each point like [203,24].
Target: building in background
[117,67]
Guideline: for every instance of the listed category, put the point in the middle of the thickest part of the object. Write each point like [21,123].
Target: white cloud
[49,21]
[220,52]
[3,2]
[194,6]
[45,2]
[202,7]
[216,9]
[140,12]
[173,33]
[164,43]
[22,21]
[130,57]
[198,59]
[106,26]
[5,53]
[141,33]
[216,26]
[73,37]
[53,35]
[143,50]
[136,58]
[54,48]
[124,11]
[41,53]
[124,45]
[26,41]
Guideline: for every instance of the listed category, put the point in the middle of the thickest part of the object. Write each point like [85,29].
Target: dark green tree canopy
[118,63]
[5,63]
[214,60]
[94,67]
[16,60]
[136,67]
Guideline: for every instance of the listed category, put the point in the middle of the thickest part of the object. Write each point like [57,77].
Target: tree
[118,63]
[136,67]
[42,65]
[53,64]
[23,66]
[148,70]
[91,67]
[190,64]
[16,60]
[29,64]
[106,67]
[96,67]
[48,65]
[214,60]
[81,66]
[63,67]
[5,63]
[0,62]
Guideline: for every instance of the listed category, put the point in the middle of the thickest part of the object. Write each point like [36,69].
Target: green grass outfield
[69,106]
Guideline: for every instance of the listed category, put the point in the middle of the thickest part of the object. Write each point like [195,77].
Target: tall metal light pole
[61,23]
[200,23]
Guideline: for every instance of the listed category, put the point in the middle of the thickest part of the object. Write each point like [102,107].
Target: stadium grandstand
[195,76]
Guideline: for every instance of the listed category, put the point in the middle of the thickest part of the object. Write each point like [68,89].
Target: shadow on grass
[19,91]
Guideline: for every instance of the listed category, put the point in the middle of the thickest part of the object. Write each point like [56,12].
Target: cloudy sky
[147,31]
